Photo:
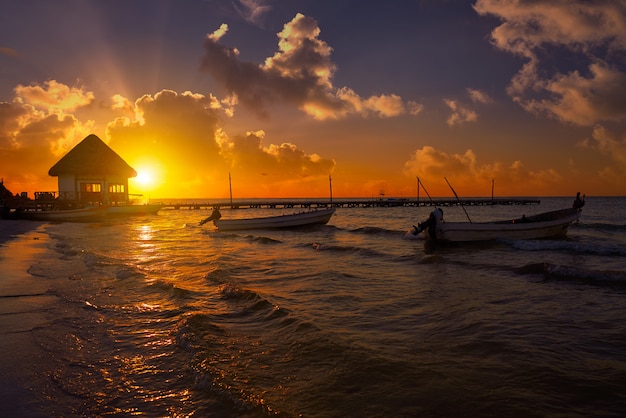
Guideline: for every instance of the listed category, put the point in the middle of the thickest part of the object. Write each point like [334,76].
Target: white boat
[320,216]
[147,209]
[89,214]
[544,225]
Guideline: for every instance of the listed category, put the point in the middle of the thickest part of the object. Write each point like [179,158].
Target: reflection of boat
[147,209]
[71,215]
[320,216]
[544,225]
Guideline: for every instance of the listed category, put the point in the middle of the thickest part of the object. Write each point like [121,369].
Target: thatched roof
[92,157]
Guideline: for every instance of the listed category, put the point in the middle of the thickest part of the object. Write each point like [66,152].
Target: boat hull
[149,209]
[73,215]
[546,225]
[315,217]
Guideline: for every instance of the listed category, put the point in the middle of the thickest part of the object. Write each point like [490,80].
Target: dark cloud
[299,73]
[593,31]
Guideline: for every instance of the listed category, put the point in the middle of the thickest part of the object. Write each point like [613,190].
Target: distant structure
[91,173]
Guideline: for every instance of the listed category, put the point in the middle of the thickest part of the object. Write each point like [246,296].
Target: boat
[314,217]
[96,213]
[552,224]
[147,209]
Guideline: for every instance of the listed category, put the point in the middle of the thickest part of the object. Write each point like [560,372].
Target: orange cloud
[471,178]
[182,133]
[589,32]
[460,113]
[54,96]
[286,161]
[177,136]
[300,72]
[34,133]
[584,100]
[606,142]
[5,50]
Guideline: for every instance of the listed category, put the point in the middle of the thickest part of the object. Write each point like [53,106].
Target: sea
[158,316]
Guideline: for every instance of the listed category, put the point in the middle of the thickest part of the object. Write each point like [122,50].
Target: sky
[522,97]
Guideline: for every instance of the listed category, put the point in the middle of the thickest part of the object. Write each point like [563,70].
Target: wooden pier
[344,203]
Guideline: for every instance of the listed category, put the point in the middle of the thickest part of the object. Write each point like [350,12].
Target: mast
[230,188]
[330,184]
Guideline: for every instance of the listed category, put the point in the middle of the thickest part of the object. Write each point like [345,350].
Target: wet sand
[11,229]
[23,301]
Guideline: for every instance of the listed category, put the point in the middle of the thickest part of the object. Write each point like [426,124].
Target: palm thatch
[92,157]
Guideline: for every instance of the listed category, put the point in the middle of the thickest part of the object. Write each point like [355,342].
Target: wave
[365,252]
[571,246]
[555,271]
[602,227]
[374,230]
[262,239]
[171,289]
[233,292]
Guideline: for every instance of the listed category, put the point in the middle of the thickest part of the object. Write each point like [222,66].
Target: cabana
[92,173]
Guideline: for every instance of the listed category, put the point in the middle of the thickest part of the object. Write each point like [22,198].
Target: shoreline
[11,229]
[24,304]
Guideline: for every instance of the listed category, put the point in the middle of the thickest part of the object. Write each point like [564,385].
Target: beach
[23,300]
[11,229]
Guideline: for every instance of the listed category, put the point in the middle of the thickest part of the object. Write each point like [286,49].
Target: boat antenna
[459,200]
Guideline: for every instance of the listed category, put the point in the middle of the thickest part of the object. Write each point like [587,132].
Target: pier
[343,203]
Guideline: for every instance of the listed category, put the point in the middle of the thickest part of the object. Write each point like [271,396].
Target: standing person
[578,202]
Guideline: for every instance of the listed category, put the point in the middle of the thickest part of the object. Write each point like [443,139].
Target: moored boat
[552,224]
[320,216]
[89,214]
[147,209]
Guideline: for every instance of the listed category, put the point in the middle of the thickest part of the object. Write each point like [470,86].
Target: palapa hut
[92,173]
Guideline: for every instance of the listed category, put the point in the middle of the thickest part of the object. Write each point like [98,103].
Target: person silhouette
[578,202]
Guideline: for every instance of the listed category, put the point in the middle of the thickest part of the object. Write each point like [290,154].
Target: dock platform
[344,203]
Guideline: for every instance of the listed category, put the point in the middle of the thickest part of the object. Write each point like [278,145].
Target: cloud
[299,73]
[184,131]
[33,136]
[247,154]
[252,10]
[591,33]
[54,96]
[472,178]
[460,113]
[584,100]
[10,52]
[608,144]
[478,96]
[180,132]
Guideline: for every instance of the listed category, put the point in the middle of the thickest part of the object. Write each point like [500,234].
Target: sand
[10,229]
[22,297]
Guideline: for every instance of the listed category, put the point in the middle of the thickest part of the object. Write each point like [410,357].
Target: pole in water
[459,200]
[418,190]
[330,184]
[230,189]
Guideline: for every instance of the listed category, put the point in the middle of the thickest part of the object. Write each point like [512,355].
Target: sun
[144,177]
[147,178]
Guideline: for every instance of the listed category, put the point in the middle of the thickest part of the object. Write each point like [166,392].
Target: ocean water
[158,316]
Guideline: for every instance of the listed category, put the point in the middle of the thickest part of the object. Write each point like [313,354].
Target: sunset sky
[282,93]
